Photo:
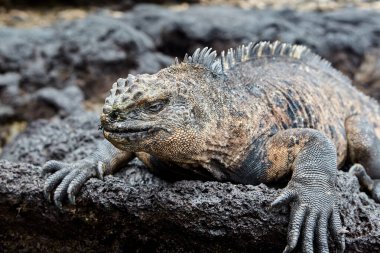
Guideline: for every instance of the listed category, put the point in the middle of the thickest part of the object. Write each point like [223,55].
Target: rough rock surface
[90,54]
[215,25]
[341,36]
[368,73]
[73,52]
[68,140]
[136,211]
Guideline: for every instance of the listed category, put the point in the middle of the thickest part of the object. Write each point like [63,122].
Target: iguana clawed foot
[369,184]
[313,210]
[67,179]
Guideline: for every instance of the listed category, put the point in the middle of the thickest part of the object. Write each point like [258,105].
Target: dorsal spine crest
[220,65]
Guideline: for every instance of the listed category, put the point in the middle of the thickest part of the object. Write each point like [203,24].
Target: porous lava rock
[136,211]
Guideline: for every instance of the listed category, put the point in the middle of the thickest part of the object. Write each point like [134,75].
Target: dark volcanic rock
[346,30]
[136,211]
[48,102]
[342,36]
[369,74]
[90,54]
[68,140]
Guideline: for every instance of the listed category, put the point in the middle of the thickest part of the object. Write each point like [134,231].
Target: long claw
[297,217]
[77,183]
[376,191]
[61,190]
[337,230]
[287,249]
[322,241]
[53,180]
[308,233]
[285,197]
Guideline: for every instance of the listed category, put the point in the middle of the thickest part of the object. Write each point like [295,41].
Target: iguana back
[282,86]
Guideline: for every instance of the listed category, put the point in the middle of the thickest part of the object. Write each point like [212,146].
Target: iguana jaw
[129,134]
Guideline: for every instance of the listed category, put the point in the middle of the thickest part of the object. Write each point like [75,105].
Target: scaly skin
[264,113]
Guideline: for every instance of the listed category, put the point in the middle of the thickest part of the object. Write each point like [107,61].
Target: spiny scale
[118,88]
[206,58]
[243,53]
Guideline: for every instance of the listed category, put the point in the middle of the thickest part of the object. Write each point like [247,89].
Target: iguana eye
[156,106]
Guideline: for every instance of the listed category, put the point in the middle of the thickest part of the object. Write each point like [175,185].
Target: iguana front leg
[312,159]
[68,178]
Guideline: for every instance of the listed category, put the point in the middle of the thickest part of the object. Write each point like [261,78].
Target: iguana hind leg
[364,152]
[370,185]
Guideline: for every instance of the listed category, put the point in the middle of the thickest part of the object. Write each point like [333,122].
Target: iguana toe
[337,230]
[53,180]
[52,166]
[322,241]
[61,191]
[297,216]
[308,232]
[285,197]
[77,182]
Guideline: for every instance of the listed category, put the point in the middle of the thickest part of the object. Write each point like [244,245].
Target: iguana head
[165,114]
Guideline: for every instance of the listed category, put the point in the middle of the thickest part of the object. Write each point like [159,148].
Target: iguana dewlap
[261,113]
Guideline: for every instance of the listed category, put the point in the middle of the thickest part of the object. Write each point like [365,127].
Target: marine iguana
[261,113]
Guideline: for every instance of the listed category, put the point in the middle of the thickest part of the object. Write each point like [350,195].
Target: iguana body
[262,114]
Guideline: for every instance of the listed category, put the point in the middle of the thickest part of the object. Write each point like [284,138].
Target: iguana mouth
[130,134]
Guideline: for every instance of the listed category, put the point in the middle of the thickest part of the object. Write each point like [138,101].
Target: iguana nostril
[113,115]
